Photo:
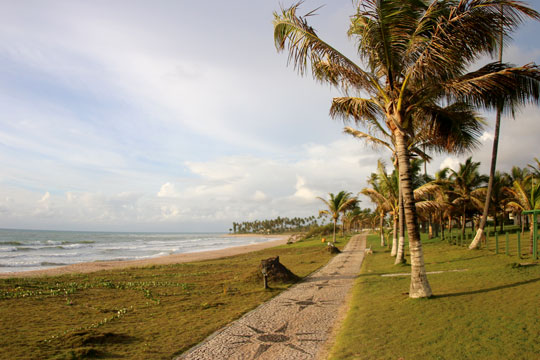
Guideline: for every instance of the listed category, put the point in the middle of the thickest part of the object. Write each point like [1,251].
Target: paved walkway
[295,324]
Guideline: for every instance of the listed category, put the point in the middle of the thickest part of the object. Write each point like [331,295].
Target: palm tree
[417,53]
[337,204]
[498,198]
[525,195]
[383,192]
[466,186]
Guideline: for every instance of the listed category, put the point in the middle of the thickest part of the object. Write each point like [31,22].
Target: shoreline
[88,267]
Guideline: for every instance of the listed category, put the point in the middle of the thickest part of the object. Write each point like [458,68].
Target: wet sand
[89,267]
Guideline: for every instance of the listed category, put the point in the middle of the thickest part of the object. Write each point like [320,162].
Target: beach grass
[154,312]
[489,309]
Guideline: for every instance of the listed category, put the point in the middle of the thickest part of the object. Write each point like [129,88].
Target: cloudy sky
[181,116]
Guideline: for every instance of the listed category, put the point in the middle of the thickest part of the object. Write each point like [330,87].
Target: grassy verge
[489,311]
[141,313]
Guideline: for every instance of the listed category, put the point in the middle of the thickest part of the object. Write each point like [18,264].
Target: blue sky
[180,116]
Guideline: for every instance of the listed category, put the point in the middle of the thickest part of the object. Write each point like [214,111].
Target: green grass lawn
[489,311]
[141,313]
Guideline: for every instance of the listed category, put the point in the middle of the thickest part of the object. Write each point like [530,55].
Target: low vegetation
[141,313]
[485,306]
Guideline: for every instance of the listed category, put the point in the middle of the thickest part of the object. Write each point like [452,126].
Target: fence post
[496,242]
[507,240]
[535,236]
[519,244]
[487,239]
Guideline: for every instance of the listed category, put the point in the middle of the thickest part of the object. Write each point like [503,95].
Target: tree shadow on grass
[488,289]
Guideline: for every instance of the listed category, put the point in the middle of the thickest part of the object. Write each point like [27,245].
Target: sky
[173,116]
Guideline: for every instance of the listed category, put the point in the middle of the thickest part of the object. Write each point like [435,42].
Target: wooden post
[496,242]
[265,277]
[507,241]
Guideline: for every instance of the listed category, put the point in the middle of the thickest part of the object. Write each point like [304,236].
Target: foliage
[154,312]
[274,226]
[415,82]
[338,205]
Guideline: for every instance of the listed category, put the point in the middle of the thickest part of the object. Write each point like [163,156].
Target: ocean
[22,250]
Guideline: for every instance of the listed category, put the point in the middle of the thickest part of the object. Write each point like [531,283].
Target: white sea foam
[27,250]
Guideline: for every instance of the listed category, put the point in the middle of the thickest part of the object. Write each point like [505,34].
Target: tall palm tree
[480,231]
[417,53]
[337,204]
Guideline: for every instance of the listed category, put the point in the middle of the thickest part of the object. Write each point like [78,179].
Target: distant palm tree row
[456,197]
[274,226]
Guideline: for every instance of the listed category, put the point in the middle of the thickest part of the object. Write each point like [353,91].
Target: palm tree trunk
[400,256]
[381,226]
[334,235]
[419,287]
[441,224]
[480,233]
[394,235]
[463,224]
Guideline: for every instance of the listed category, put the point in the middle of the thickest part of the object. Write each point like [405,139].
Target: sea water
[22,250]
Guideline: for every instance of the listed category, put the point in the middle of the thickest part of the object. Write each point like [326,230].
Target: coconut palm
[337,204]
[466,184]
[525,195]
[498,198]
[417,53]
[489,191]
[383,192]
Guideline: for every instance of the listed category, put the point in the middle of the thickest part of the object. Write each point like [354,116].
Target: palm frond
[454,128]
[429,206]
[383,29]
[293,33]
[428,189]
[360,109]
[449,38]
[498,85]
[361,135]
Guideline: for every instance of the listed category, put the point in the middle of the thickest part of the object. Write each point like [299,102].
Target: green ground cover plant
[153,312]
[489,310]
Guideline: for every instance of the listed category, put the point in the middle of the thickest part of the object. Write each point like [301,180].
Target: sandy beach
[88,267]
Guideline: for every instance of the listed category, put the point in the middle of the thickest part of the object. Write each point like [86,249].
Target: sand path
[162,260]
[298,323]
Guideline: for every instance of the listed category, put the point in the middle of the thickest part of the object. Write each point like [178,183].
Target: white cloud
[46,197]
[259,196]
[302,191]
[486,136]
[167,190]
[450,162]
[217,192]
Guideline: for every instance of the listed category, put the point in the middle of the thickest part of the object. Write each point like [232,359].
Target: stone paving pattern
[293,325]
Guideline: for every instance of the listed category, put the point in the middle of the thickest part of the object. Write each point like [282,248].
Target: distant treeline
[274,226]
